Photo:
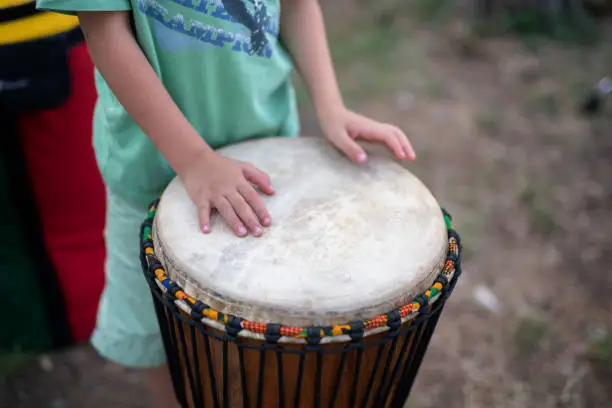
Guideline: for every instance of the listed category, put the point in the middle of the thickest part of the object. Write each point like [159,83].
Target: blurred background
[505,103]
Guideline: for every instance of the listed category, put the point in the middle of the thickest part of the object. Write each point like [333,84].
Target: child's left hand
[342,127]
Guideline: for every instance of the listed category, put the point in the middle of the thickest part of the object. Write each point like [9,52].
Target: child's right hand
[216,182]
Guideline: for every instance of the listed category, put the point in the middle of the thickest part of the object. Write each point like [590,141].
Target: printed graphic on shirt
[254,22]
[250,24]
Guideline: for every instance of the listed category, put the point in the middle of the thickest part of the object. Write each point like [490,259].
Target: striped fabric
[21,22]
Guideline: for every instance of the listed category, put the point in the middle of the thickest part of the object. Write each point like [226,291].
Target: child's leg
[127,331]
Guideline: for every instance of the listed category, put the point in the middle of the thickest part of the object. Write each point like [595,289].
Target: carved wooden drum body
[333,307]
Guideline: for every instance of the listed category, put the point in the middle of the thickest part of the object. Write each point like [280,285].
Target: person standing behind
[47,98]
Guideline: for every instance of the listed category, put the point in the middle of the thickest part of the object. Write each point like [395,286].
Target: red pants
[69,193]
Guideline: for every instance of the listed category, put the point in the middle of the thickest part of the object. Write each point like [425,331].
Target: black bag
[35,75]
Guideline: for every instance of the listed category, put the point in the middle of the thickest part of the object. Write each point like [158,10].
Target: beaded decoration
[201,311]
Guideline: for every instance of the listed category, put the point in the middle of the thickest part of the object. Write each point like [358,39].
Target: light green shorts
[126,331]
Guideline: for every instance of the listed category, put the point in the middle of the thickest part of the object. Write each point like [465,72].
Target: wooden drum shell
[387,369]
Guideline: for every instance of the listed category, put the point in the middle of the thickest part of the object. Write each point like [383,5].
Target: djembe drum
[333,307]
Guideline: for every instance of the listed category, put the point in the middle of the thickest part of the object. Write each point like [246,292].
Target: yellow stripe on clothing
[13,3]
[42,25]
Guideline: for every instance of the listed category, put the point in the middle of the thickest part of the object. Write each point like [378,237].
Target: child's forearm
[303,32]
[125,68]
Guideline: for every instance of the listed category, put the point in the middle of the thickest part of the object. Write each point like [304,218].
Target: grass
[546,104]
[438,89]
[12,363]
[579,88]
[364,61]
[536,197]
[472,230]
[533,28]
[601,349]
[529,336]
[491,122]
[432,10]
[367,59]
[410,404]
[371,41]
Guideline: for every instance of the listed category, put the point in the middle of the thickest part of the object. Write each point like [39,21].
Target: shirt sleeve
[71,7]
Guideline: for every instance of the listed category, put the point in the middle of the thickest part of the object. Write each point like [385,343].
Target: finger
[204,215]
[386,135]
[256,203]
[406,145]
[226,210]
[350,148]
[259,178]
[245,213]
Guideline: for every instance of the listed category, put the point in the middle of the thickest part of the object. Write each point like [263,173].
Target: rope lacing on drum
[355,330]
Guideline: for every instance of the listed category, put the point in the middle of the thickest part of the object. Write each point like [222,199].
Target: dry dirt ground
[527,180]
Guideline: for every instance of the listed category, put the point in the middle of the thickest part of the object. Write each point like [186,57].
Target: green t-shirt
[223,64]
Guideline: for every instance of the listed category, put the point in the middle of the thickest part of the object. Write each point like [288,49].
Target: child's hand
[342,127]
[216,182]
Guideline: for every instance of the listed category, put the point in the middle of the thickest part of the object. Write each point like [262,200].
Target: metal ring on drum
[333,307]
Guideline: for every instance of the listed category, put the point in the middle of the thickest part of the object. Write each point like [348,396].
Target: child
[176,80]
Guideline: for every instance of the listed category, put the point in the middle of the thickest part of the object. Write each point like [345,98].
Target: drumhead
[347,242]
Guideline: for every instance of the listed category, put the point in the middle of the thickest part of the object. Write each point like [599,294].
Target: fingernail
[242,231]
[206,229]
[402,155]
[361,157]
[257,231]
[267,221]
